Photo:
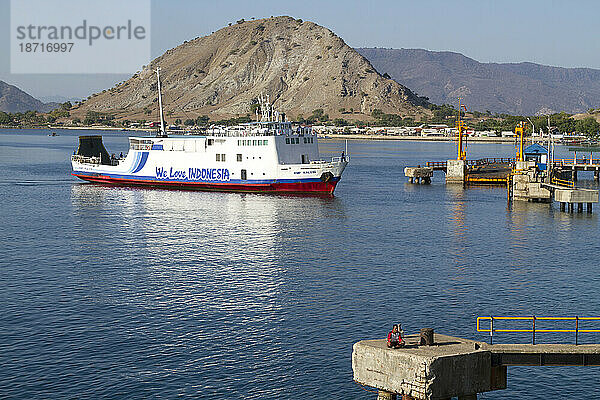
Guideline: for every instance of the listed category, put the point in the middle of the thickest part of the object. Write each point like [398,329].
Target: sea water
[113,292]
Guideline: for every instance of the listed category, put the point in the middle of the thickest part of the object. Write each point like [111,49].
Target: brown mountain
[514,88]
[14,100]
[301,65]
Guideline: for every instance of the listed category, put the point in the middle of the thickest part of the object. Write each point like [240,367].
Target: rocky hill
[13,100]
[301,65]
[523,88]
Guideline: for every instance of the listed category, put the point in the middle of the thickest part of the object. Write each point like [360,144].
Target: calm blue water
[131,293]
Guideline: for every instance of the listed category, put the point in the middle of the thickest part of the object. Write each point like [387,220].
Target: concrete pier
[451,367]
[455,171]
[454,367]
[419,174]
[570,197]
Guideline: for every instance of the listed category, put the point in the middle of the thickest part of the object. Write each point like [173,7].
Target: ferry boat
[270,155]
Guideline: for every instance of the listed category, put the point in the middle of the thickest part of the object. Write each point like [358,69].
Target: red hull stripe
[288,187]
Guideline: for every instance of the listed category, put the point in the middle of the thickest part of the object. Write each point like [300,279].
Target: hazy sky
[560,33]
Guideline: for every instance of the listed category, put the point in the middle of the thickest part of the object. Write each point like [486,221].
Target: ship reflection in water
[213,274]
[236,244]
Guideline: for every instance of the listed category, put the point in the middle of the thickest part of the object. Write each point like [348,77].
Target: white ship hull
[238,162]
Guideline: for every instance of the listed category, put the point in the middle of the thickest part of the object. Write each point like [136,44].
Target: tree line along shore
[379,125]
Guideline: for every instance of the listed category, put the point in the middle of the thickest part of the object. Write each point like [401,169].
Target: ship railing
[339,159]
[239,134]
[247,133]
[94,160]
[85,160]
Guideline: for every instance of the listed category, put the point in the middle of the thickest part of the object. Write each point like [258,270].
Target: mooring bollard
[426,337]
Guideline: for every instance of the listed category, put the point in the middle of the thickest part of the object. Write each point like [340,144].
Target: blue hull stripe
[135,162]
[141,162]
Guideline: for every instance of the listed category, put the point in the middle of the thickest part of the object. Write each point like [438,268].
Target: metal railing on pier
[486,161]
[569,162]
[533,330]
[563,182]
[436,164]
[481,161]
[486,180]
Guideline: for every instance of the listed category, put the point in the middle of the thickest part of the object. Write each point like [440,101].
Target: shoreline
[330,136]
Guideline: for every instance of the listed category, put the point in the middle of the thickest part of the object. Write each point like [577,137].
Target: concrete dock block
[422,371]
[418,172]
[537,192]
[576,195]
[455,171]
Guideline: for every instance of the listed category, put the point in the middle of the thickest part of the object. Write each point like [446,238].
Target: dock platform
[569,196]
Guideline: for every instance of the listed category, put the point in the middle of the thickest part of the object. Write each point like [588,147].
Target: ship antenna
[162,132]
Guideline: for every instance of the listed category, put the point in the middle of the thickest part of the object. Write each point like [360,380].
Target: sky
[559,33]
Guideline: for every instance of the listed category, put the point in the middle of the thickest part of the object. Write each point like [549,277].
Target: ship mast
[162,132]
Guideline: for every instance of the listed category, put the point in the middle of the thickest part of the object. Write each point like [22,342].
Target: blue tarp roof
[535,149]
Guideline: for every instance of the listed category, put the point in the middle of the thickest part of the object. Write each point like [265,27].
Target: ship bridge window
[210,142]
[220,157]
[287,140]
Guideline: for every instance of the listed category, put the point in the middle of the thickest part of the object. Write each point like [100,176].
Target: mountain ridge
[15,100]
[514,88]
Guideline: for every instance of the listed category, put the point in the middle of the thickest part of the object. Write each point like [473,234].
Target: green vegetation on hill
[443,114]
[34,118]
[562,121]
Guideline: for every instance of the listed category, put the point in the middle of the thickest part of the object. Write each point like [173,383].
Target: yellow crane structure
[461,128]
[520,132]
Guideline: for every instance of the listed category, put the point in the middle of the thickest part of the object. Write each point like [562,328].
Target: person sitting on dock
[394,338]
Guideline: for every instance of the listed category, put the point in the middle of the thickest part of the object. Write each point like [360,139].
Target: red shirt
[394,337]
